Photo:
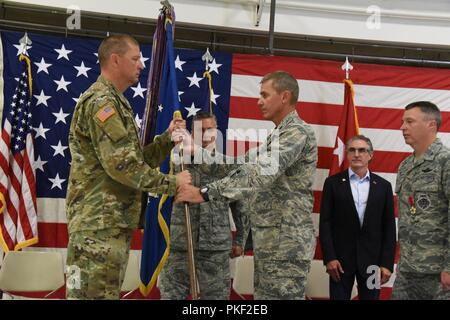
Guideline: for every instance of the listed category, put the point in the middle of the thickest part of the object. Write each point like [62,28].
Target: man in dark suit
[357,226]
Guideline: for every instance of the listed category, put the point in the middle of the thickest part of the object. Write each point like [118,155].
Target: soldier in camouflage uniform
[279,193]
[423,189]
[109,170]
[211,233]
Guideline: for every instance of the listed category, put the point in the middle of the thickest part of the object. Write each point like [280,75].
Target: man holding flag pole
[109,170]
[278,187]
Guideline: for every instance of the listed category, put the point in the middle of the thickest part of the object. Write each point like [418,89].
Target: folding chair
[317,286]
[132,277]
[243,276]
[31,271]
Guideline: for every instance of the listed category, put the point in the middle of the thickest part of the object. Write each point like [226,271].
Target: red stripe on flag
[52,235]
[238,148]
[5,136]
[396,206]
[6,237]
[318,253]
[29,172]
[136,241]
[27,190]
[329,114]
[317,201]
[397,253]
[329,71]
[55,235]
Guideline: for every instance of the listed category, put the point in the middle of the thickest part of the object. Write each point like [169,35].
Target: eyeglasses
[360,150]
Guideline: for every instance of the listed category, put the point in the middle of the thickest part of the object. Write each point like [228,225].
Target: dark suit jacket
[341,236]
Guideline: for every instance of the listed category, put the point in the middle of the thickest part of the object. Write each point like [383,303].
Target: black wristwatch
[204,193]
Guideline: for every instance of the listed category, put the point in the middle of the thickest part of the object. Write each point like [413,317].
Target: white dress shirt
[360,191]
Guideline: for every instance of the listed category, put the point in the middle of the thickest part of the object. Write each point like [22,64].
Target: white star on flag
[160,108]
[43,66]
[179,95]
[138,91]
[214,97]
[214,66]
[40,131]
[82,70]
[62,84]
[59,149]
[76,99]
[339,151]
[194,80]
[143,60]
[63,53]
[192,110]
[22,48]
[138,121]
[42,98]
[56,182]
[179,63]
[96,54]
[60,116]
[39,164]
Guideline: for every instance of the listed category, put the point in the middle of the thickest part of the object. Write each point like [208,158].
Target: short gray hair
[281,81]
[360,137]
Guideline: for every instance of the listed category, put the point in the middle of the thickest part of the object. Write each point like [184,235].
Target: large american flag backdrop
[63,67]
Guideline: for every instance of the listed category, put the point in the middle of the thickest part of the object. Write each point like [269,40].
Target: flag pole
[148,126]
[193,280]
[347,67]
[207,57]
[195,287]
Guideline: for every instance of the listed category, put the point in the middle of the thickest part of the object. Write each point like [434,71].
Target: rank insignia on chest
[423,201]
[412,208]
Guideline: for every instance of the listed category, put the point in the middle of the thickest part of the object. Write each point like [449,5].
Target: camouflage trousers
[96,263]
[280,279]
[418,286]
[213,273]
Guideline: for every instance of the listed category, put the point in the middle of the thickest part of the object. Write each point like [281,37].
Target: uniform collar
[433,150]
[107,83]
[114,90]
[289,117]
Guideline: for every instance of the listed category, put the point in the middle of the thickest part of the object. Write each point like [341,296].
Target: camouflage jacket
[109,168]
[210,222]
[423,189]
[278,187]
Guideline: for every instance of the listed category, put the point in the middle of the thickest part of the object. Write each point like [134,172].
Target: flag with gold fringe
[156,241]
[18,209]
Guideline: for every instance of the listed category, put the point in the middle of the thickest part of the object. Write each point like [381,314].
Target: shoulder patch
[105,113]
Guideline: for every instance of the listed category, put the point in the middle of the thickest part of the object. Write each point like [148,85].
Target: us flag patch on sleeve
[105,113]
